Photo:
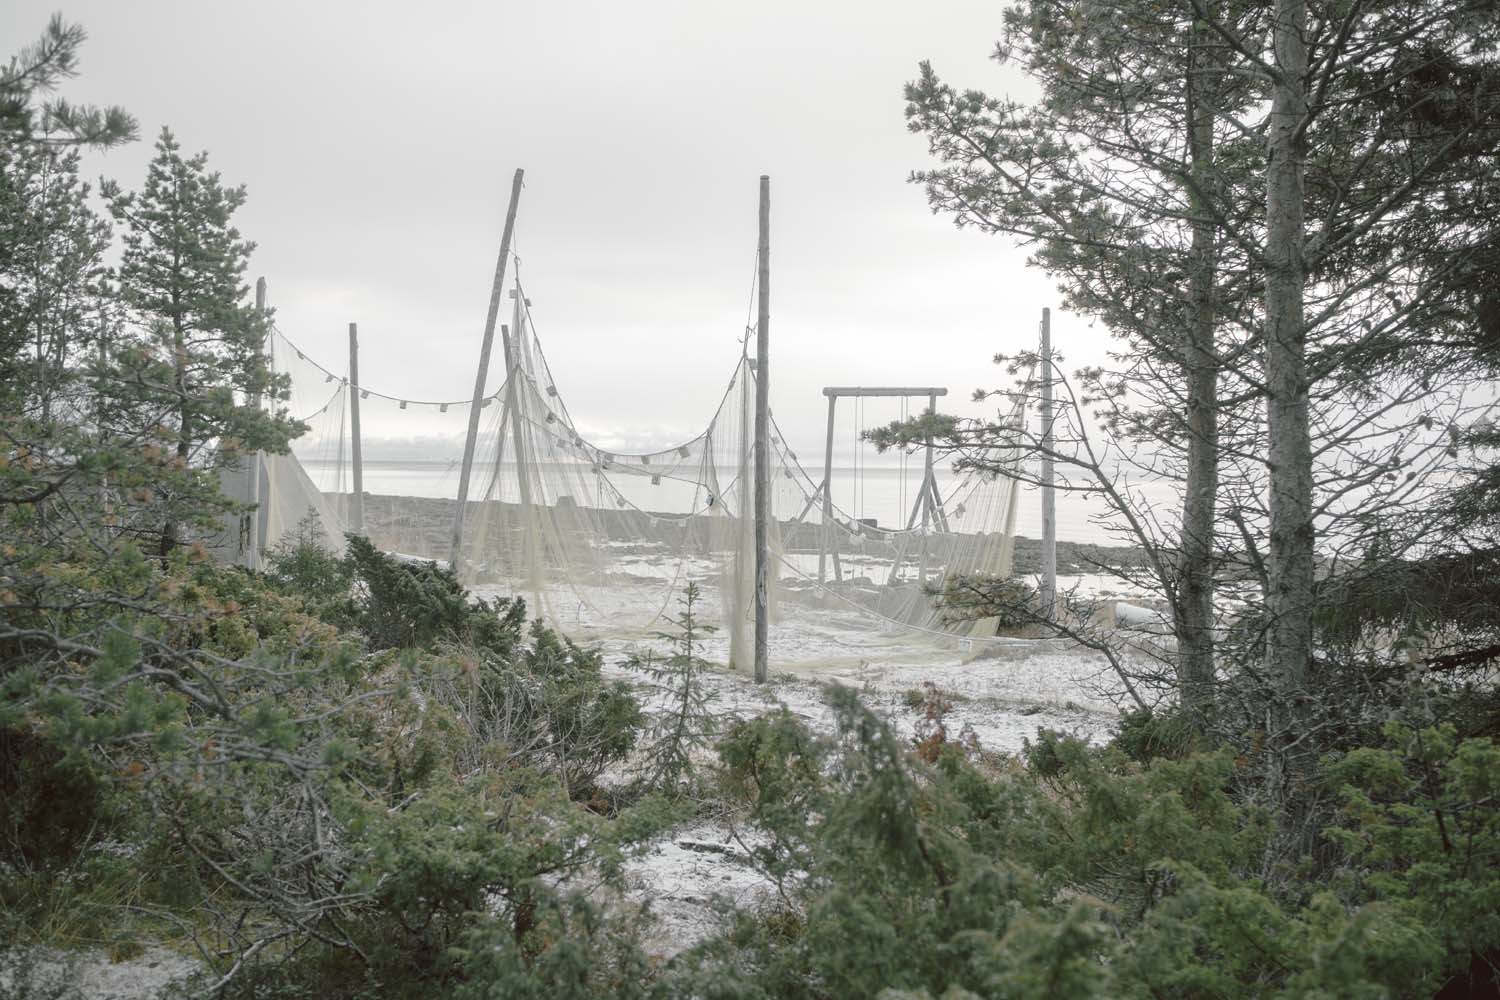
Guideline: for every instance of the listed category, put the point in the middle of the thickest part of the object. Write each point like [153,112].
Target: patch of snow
[1001,691]
[50,972]
[1000,699]
[680,879]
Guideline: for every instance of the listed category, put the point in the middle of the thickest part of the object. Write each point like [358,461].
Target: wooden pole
[741,654]
[531,536]
[929,487]
[939,515]
[919,506]
[1049,493]
[763,434]
[357,501]
[260,309]
[489,488]
[827,494]
[496,289]
[928,476]
[252,529]
[513,396]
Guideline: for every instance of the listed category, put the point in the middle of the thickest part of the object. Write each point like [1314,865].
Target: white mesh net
[605,540]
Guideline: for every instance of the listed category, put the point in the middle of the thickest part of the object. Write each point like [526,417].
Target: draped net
[606,541]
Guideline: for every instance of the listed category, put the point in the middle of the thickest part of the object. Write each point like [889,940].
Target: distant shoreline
[422,526]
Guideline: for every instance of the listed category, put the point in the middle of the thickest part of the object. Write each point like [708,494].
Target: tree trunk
[1195,595]
[169,534]
[1289,563]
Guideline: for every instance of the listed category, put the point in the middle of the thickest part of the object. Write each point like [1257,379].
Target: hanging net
[603,542]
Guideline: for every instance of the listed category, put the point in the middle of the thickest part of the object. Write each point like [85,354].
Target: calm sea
[884,494]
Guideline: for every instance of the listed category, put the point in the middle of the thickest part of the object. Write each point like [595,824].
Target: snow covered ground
[65,975]
[1001,691]
[1000,694]
[680,879]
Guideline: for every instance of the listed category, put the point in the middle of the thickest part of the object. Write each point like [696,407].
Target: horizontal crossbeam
[849,390]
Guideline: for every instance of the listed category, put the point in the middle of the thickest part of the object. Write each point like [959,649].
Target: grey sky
[377,141]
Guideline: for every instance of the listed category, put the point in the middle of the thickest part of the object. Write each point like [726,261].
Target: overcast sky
[377,141]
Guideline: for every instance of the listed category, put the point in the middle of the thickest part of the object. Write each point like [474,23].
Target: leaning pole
[1049,490]
[496,291]
[763,432]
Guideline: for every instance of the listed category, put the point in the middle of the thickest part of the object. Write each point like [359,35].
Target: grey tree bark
[1195,584]
[1289,562]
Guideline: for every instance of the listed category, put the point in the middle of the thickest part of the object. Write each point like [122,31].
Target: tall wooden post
[512,338]
[512,343]
[1049,493]
[929,485]
[827,535]
[252,529]
[742,647]
[929,478]
[260,309]
[484,366]
[763,435]
[357,501]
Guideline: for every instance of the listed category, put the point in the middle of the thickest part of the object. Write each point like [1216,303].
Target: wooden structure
[484,366]
[763,431]
[357,498]
[252,523]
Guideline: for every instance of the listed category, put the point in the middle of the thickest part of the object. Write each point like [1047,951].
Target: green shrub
[1089,874]
[590,722]
[1144,734]
[300,566]
[686,723]
[415,605]
[51,802]
[1421,817]
[575,951]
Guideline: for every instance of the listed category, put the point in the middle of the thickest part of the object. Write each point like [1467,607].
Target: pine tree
[1323,188]
[54,304]
[26,114]
[52,244]
[196,354]
[1127,178]
[686,723]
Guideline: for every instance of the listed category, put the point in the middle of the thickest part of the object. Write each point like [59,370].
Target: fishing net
[607,540]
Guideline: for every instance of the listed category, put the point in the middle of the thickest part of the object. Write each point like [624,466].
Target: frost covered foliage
[1079,872]
[686,724]
[401,605]
[348,777]
[231,773]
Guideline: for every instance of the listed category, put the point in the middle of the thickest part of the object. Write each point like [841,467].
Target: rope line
[853,516]
[561,451]
[365,390]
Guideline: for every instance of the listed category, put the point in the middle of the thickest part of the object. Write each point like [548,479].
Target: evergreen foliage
[301,567]
[1087,874]
[348,776]
[192,357]
[414,605]
[687,723]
